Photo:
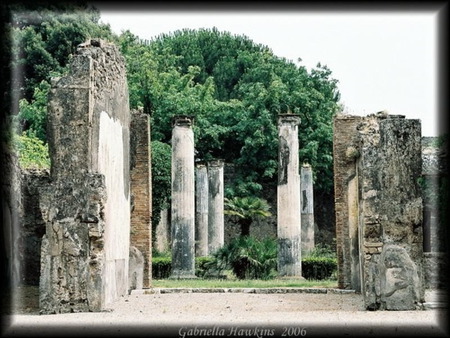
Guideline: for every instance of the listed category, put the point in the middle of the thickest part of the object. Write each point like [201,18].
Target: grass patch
[236,283]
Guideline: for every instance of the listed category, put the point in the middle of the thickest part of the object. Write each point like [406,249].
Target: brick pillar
[141,190]
[307,209]
[215,209]
[201,213]
[183,198]
[288,205]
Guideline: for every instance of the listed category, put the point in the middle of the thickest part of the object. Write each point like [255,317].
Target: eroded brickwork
[141,226]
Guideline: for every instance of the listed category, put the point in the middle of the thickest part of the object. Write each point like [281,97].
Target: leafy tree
[246,209]
[235,89]
[44,36]
[33,115]
[161,179]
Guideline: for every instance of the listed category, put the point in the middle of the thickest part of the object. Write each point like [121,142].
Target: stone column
[162,233]
[215,214]
[201,213]
[183,198]
[288,198]
[307,209]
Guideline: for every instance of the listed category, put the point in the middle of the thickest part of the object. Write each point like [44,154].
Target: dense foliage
[235,89]
[161,180]
[33,153]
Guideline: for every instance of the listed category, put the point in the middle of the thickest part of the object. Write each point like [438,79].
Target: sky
[383,60]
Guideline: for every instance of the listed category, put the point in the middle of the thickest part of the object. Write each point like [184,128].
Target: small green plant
[248,258]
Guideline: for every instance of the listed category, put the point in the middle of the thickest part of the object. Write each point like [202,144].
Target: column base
[182,275]
[291,277]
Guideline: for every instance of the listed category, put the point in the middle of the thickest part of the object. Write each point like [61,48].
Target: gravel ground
[231,315]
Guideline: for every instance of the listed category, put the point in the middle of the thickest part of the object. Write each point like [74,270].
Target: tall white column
[183,198]
[307,209]
[201,210]
[288,198]
[215,214]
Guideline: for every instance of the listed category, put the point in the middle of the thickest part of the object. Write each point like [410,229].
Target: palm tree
[246,209]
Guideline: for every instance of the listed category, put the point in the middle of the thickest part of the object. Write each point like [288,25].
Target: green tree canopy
[235,89]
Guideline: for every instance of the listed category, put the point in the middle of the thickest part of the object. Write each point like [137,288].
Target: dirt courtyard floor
[231,315]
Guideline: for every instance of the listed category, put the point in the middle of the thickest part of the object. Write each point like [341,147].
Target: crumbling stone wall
[379,209]
[32,225]
[86,208]
[141,225]
[345,152]
[11,210]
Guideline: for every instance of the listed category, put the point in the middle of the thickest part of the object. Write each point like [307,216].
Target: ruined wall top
[94,85]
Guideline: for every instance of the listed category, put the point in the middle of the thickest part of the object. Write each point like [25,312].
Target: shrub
[33,153]
[318,268]
[161,267]
[248,257]
[202,265]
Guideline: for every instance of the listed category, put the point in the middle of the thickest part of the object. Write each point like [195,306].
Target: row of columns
[209,196]
[197,223]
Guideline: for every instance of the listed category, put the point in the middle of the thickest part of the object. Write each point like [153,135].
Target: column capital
[288,119]
[216,163]
[182,121]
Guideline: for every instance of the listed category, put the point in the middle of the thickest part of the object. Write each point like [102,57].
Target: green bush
[318,268]
[202,265]
[33,153]
[248,258]
[162,266]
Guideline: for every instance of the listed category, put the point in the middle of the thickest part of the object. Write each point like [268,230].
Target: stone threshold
[278,290]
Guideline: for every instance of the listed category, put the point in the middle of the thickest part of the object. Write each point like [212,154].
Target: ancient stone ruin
[377,163]
[201,209]
[140,270]
[86,206]
[288,194]
[306,209]
[183,198]
[85,226]
[215,206]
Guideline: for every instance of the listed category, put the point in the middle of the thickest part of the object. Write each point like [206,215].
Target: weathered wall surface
[141,191]
[379,209]
[345,143]
[32,226]
[85,251]
[11,210]
[391,212]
